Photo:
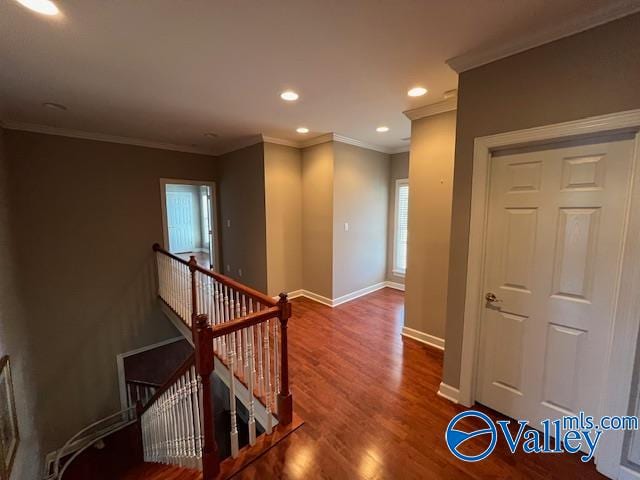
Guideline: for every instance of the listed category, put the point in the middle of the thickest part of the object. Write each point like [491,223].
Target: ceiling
[168,71]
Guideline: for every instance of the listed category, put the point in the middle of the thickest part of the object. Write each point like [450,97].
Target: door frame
[214,211]
[620,362]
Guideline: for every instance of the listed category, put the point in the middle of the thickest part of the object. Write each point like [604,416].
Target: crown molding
[330,137]
[555,30]
[358,143]
[100,137]
[432,109]
[327,137]
[231,147]
[280,141]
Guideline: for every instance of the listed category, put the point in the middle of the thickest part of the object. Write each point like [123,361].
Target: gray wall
[317,219]
[591,73]
[14,340]
[283,210]
[86,215]
[398,169]
[361,199]
[430,192]
[242,201]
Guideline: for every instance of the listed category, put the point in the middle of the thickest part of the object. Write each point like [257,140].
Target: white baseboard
[450,393]
[425,338]
[294,294]
[329,302]
[317,298]
[358,293]
[394,285]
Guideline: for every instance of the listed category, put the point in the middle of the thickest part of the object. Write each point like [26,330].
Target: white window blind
[402,220]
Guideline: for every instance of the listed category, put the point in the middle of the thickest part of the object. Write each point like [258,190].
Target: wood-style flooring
[368,399]
[156,471]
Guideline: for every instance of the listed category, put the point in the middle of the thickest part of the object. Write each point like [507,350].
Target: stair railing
[244,330]
[177,422]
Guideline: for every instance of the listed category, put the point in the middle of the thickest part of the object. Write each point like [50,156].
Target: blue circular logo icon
[455,437]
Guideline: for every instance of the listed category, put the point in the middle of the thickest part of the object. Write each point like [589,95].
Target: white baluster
[182,437]
[232,395]
[239,349]
[182,405]
[276,363]
[196,387]
[188,407]
[175,304]
[217,347]
[267,371]
[243,313]
[218,320]
[252,421]
[172,426]
[159,267]
[178,273]
[260,352]
[187,295]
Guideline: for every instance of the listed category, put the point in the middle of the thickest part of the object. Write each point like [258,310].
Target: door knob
[491,298]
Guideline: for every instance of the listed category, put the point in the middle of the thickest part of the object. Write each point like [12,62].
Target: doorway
[189,220]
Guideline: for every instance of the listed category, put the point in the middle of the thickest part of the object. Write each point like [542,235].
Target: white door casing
[180,221]
[554,240]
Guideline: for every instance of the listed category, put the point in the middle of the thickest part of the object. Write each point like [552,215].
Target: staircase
[239,336]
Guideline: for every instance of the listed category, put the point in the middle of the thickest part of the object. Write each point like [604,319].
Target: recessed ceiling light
[54,106]
[289,96]
[211,135]
[382,129]
[417,91]
[45,7]
[302,130]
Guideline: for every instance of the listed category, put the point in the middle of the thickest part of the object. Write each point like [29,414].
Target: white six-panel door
[554,241]
[180,221]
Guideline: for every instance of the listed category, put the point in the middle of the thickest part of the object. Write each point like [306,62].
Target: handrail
[255,294]
[188,363]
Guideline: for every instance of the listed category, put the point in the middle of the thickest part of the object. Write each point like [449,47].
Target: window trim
[399,272]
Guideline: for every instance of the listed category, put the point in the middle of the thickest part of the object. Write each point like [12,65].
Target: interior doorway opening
[189,219]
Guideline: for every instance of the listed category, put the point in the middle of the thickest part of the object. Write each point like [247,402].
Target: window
[401,221]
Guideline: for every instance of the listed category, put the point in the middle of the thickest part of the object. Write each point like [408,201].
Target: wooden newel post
[285,400]
[204,366]
[194,295]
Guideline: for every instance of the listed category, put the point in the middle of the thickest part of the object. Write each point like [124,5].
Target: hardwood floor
[155,471]
[368,399]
